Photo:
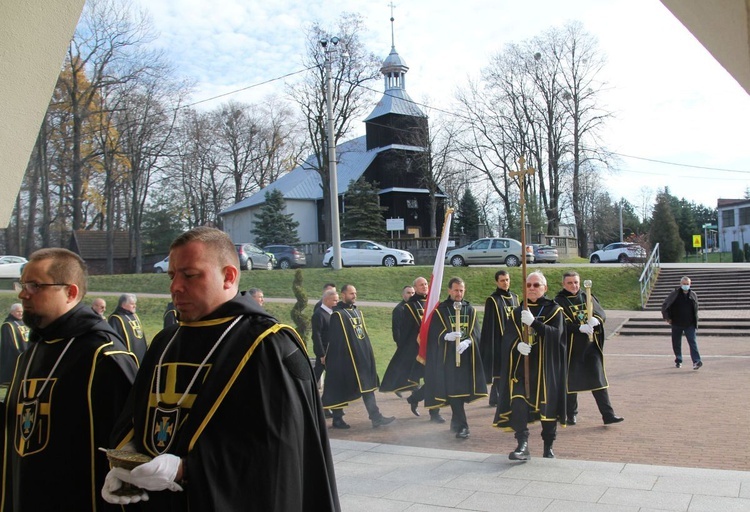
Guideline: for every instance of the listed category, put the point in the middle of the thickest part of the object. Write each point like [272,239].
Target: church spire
[394,68]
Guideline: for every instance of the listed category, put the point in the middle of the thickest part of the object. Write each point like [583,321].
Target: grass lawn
[615,286]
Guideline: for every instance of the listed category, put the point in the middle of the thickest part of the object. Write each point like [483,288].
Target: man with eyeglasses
[14,337]
[124,320]
[66,393]
[536,335]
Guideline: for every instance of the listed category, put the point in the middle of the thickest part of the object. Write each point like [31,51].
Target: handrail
[647,279]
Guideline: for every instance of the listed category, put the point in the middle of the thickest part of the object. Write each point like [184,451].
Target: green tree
[467,216]
[301,320]
[664,230]
[363,216]
[273,225]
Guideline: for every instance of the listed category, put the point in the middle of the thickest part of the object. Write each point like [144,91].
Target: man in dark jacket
[545,351]
[585,338]
[680,310]
[398,312]
[497,308]
[319,323]
[71,384]
[225,402]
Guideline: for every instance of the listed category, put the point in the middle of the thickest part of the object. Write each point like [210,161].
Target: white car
[11,266]
[367,253]
[621,252]
[161,266]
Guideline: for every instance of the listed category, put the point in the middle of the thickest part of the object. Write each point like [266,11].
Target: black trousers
[373,412]
[602,402]
[519,422]
[458,420]
[318,369]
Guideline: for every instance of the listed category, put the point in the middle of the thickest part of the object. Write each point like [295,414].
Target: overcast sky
[679,116]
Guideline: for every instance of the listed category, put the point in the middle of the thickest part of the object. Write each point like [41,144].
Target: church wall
[239,225]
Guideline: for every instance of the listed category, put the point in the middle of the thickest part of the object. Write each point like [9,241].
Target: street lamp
[332,177]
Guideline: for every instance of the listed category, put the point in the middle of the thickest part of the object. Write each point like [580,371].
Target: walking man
[126,323]
[585,338]
[320,322]
[497,308]
[14,337]
[398,313]
[680,310]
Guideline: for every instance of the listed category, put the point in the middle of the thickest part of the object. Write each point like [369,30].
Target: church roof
[304,182]
[395,101]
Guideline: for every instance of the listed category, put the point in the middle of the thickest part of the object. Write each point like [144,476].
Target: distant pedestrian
[99,306]
[319,323]
[14,338]
[398,312]
[257,295]
[326,287]
[124,320]
[680,310]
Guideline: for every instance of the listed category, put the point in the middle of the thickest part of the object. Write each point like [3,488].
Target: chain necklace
[359,330]
[172,411]
[30,405]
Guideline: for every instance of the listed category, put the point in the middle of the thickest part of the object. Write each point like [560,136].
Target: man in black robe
[171,317]
[585,339]
[497,308]
[70,386]
[319,323]
[545,351]
[404,371]
[126,323]
[14,337]
[226,402]
[398,312]
[453,371]
[350,363]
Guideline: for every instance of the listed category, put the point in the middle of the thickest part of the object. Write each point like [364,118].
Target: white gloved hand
[586,329]
[463,346]
[453,336]
[593,321]
[527,317]
[524,348]
[113,484]
[155,475]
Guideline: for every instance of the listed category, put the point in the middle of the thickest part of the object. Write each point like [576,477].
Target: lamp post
[332,177]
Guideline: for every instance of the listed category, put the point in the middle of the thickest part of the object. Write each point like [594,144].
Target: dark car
[545,253]
[252,256]
[287,256]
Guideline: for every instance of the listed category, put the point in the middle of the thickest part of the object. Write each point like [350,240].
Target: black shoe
[413,404]
[548,453]
[697,366]
[382,420]
[572,420]
[608,420]
[521,452]
[341,424]
[463,433]
[677,365]
[436,418]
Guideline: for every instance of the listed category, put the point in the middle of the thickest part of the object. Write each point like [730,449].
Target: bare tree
[351,67]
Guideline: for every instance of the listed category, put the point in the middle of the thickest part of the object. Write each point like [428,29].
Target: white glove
[586,329]
[463,346]
[156,475]
[112,484]
[527,317]
[524,348]
[593,321]
[453,336]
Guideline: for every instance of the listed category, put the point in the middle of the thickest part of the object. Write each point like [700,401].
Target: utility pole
[332,173]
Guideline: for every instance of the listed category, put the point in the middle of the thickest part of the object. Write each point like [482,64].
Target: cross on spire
[393,39]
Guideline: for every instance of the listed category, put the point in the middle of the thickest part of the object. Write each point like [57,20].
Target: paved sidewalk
[684,444]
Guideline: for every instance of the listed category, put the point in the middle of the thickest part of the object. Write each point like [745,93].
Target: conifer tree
[301,320]
[273,225]
[665,232]
[467,216]
[363,216]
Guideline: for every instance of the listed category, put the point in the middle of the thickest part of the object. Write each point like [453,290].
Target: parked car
[619,251]
[11,266]
[287,256]
[252,256]
[545,253]
[161,266]
[490,251]
[367,253]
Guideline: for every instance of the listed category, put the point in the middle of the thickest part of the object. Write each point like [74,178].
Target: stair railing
[648,276]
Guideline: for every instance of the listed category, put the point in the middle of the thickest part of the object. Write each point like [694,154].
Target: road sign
[697,241]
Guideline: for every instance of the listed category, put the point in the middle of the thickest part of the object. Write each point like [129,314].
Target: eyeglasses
[31,287]
[533,285]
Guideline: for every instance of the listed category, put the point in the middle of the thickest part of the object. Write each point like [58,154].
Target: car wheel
[284,264]
[595,259]
[389,261]
[457,261]
[249,264]
[512,261]
[269,265]
[159,270]
[623,258]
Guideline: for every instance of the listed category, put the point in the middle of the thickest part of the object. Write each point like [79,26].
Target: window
[481,245]
[412,204]
[500,244]
[727,218]
[744,216]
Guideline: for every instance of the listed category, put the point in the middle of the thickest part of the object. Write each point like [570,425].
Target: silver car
[489,251]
